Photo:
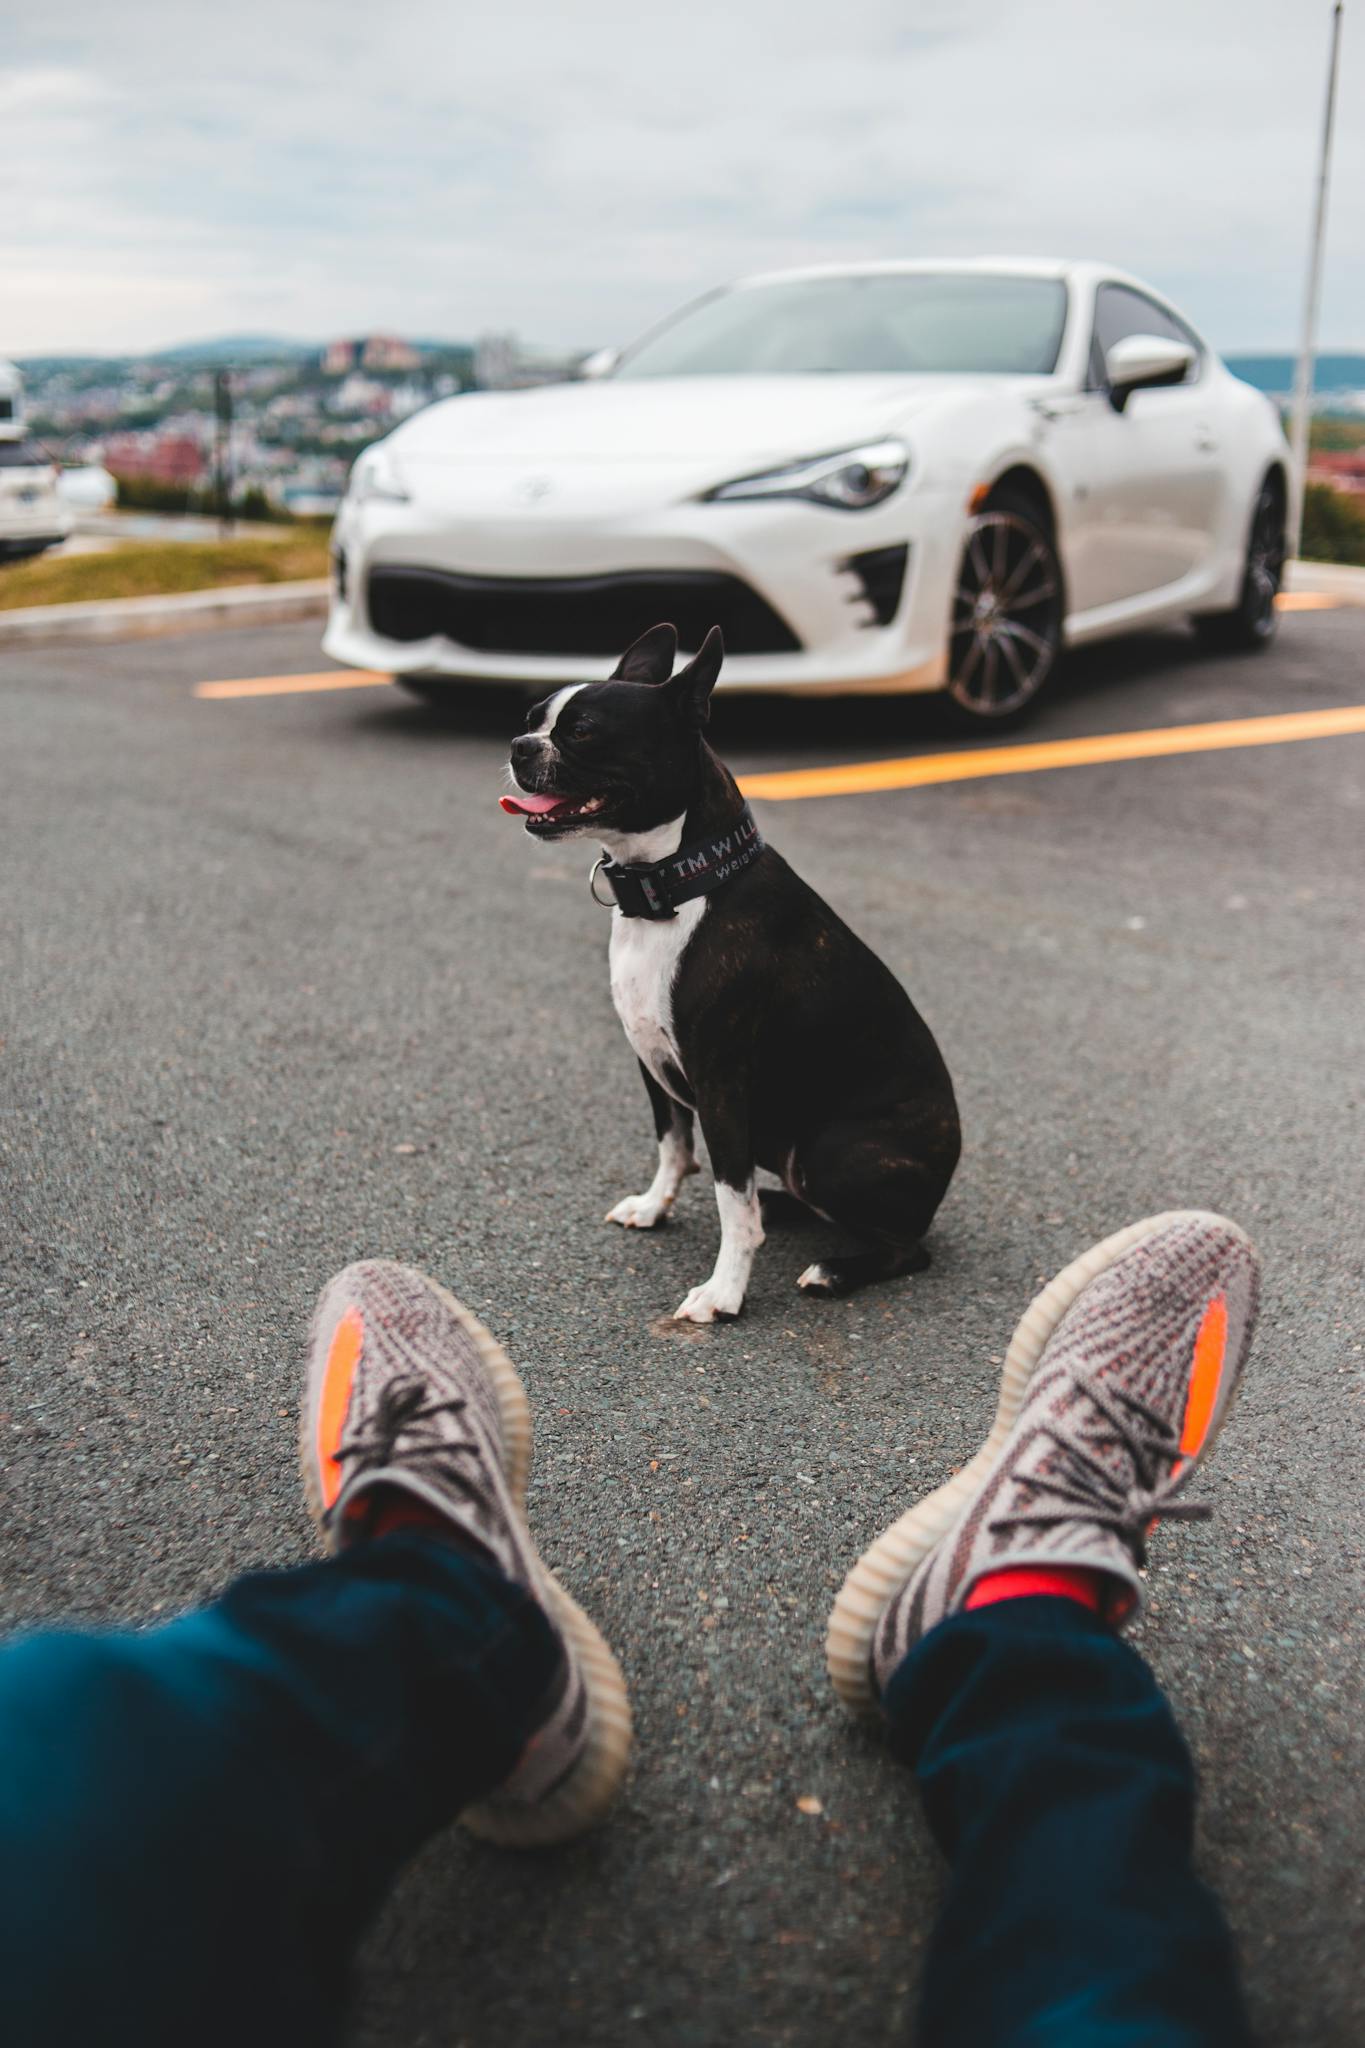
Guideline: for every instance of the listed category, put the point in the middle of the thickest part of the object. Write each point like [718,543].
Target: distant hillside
[232,350]
[38,366]
[238,348]
[263,348]
[1339,372]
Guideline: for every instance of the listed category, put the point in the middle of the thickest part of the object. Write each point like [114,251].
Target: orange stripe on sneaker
[1210,1349]
[342,1359]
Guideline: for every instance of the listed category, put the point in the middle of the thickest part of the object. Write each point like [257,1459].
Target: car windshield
[961,322]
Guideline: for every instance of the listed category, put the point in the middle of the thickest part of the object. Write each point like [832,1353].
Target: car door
[1150,475]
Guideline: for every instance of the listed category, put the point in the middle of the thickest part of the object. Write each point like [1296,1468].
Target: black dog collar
[656,891]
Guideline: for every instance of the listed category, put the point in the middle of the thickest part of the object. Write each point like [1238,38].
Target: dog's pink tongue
[529,806]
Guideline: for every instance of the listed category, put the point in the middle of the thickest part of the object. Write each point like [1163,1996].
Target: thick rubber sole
[586,1795]
[893,1559]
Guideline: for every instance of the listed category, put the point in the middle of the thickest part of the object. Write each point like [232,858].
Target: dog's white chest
[645,956]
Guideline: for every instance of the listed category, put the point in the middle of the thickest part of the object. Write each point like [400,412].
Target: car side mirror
[600,363]
[1144,362]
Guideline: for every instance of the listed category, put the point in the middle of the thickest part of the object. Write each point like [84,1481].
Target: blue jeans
[1062,1794]
[197,1822]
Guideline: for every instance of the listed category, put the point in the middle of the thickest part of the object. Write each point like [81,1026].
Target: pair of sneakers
[1115,1384]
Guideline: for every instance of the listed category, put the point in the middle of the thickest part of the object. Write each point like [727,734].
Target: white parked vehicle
[32,514]
[890,476]
[88,487]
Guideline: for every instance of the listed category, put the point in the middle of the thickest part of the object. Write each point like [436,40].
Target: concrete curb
[1334,579]
[190,611]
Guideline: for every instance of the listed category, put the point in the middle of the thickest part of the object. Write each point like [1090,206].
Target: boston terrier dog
[750,1006]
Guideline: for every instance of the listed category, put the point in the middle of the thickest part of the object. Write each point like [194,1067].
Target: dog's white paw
[709,1304]
[639,1212]
[815,1280]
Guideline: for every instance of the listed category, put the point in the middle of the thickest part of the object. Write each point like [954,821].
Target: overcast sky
[571,169]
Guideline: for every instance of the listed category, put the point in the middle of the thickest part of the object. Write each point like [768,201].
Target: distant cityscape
[300,415]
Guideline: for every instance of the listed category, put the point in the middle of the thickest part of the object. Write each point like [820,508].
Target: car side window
[1119,312]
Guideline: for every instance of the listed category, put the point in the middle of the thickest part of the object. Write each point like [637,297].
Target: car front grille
[587,615]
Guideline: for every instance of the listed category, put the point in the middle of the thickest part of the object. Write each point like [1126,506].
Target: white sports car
[33,515]
[891,476]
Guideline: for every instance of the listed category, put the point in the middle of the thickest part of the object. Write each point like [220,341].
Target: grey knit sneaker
[406,1392]
[1115,1384]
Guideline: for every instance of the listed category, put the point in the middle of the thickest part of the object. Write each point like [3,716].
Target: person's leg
[1062,1793]
[196,1822]
[984,1623]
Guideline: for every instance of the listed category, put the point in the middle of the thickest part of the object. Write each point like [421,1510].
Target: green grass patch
[156,568]
[1333,526]
[1337,436]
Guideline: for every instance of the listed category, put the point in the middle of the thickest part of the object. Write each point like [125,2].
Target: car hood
[734,421]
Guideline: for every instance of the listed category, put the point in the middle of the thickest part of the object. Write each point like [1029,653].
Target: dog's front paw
[640,1212]
[709,1304]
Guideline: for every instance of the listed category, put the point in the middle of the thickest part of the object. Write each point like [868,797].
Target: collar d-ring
[606,902]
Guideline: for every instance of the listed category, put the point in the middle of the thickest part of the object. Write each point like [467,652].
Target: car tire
[1251,623]
[1005,629]
[24,550]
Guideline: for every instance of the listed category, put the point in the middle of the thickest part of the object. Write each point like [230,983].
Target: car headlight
[851,481]
[375,477]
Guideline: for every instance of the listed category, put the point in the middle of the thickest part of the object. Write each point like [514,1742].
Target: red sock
[392,1507]
[1062,1582]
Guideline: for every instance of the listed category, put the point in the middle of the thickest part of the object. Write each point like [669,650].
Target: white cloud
[41,93]
[309,168]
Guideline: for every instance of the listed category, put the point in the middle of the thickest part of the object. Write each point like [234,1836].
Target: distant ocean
[1333,372]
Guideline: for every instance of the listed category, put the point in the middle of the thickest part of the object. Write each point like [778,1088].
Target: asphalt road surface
[282,987]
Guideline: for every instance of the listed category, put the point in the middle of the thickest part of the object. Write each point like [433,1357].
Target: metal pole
[1303,376]
[222,450]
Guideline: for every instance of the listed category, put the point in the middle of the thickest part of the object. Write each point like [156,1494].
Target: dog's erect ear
[692,686]
[651,658]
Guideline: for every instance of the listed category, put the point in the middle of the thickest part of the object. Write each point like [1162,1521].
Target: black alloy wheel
[1252,621]
[1006,628]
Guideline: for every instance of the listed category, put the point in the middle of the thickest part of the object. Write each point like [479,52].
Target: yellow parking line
[291,686]
[368,679]
[860,778]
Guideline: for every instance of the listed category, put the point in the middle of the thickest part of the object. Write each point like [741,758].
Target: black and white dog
[748,1003]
